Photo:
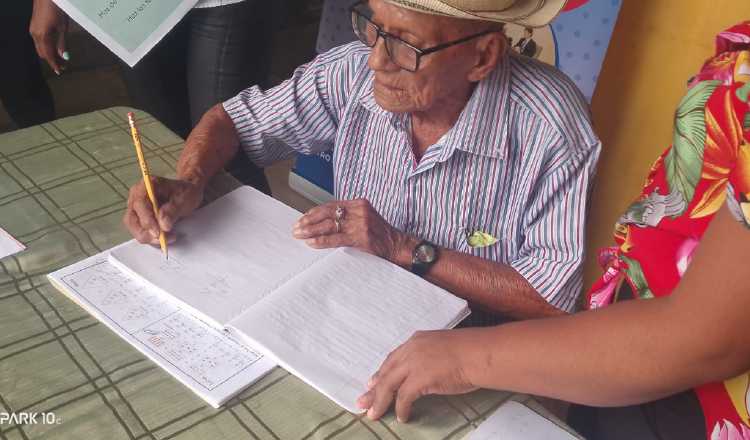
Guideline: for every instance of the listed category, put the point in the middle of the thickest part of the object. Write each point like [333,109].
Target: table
[63,187]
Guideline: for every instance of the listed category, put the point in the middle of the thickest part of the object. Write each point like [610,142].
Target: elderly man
[452,157]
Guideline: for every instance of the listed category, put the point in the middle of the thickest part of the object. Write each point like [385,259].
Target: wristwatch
[424,256]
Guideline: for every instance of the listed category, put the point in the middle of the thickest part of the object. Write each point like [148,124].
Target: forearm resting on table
[210,146]
[636,351]
[496,287]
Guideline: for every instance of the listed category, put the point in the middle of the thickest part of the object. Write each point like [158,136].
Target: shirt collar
[482,126]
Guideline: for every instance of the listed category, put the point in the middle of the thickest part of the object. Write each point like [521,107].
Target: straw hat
[534,13]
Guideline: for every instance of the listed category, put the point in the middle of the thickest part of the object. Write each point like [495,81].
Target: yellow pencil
[147,179]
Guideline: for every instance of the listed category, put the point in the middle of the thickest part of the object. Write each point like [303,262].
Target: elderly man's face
[441,75]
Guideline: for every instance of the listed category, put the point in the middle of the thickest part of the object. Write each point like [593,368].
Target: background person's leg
[23,90]
[228,52]
[158,83]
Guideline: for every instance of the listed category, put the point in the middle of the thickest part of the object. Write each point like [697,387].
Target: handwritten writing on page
[205,359]
[515,421]
[129,28]
[9,245]
[333,325]
[227,257]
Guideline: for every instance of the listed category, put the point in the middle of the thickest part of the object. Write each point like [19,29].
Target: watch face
[425,253]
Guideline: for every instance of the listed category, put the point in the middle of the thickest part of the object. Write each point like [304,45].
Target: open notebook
[329,317]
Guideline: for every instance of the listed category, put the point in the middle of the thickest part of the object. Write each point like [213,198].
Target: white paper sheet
[514,421]
[129,28]
[227,256]
[9,245]
[333,325]
[208,361]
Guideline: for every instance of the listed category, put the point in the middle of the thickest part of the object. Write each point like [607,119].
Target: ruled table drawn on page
[127,302]
[210,357]
[199,351]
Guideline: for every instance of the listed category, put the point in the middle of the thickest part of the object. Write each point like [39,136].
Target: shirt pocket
[482,247]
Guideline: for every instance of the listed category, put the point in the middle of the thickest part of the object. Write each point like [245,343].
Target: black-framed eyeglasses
[399,51]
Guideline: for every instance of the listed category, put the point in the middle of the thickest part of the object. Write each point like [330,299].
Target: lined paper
[334,325]
[228,256]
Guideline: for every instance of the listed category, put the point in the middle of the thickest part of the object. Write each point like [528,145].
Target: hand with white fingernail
[48,29]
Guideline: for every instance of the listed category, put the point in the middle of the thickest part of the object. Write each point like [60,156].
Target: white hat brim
[532,13]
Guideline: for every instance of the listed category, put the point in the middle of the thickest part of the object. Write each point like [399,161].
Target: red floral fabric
[707,165]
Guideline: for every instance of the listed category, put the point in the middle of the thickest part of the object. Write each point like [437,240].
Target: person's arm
[624,354]
[642,350]
[48,27]
[545,278]
[301,112]
[210,146]
[300,115]
[493,286]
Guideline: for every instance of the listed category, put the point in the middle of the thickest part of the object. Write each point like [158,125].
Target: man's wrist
[191,169]
[405,251]
[196,179]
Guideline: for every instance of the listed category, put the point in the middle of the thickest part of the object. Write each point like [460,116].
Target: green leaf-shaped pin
[479,239]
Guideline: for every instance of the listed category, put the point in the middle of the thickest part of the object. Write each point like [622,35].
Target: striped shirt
[517,164]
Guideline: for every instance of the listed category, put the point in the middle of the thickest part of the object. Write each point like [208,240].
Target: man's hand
[48,28]
[177,199]
[360,227]
[431,362]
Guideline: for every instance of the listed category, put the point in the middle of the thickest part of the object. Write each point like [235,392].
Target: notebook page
[9,245]
[513,421]
[206,360]
[333,325]
[228,255]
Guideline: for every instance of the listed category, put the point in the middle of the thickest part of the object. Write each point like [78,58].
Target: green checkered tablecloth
[63,187]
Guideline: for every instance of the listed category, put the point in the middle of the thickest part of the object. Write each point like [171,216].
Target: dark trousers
[210,56]
[23,90]
[677,417]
